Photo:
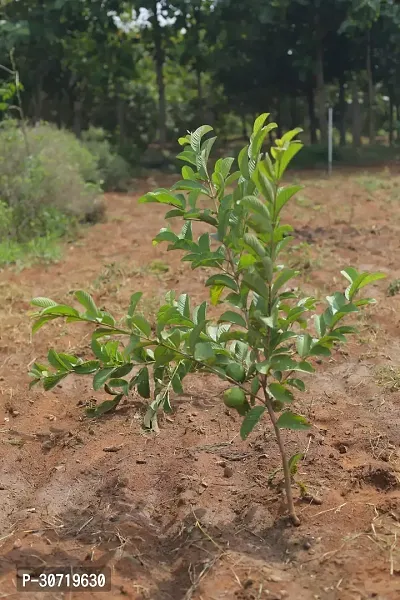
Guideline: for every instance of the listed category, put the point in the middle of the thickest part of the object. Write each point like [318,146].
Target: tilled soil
[194,512]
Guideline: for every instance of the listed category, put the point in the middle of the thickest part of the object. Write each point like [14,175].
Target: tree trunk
[311,114]
[391,118]
[121,121]
[321,93]
[197,17]
[279,118]
[38,101]
[371,92]
[356,129]
[77,123]
[244,127]
[397,123]
[342,111]
[159,56]
[293,112]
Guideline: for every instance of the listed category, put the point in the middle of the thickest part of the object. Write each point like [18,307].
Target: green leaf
[289,420]
[223,166]
[232,317]
[286,157]
[61,310]
[122,370]
[87,367]
[293,462]
[177,384]
[284,276]
[350,273]
[98,350]
[41,321]
[196,137]
[101,377]
[119,383]
[163,196]
[87,302]
[280,392]
[361,281]
[263,183]
[250,421]
[215,293]
[319,350]
[143,383]
[284,195]
[182,141]
[243,162]
[253,242]
[55,360]
[190,186]
[105,407]
[255,205]
[222,280]
[135,299]
[188,173]
[195,334]
[256,284]
[142,324]
[303,344]
[186,156]
[259,122]
[52,380]
[296,383]
[184,305]
[203,351]
[43,302]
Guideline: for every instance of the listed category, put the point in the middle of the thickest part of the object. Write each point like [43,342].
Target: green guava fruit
[234,398]
[236,372]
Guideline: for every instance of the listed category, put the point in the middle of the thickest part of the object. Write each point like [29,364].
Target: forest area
[199,317]
[146,71]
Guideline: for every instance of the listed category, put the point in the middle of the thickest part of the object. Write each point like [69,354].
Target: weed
[394,288]
[262,344]
[388,377]
[158,267]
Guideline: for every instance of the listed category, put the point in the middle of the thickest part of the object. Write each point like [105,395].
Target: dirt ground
[195,513]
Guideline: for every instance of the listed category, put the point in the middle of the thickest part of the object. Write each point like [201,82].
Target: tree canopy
[142,70]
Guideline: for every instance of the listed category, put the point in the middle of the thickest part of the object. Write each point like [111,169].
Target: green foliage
[45,191]
[114,170]
[269,335]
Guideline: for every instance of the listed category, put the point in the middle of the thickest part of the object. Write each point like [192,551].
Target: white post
[330,140]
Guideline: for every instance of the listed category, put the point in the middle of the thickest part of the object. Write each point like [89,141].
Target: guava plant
[263,340]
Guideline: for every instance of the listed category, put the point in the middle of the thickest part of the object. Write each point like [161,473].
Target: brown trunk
[244,127]
[121,121]
[397,122]
[159,56]
[371,92]
[391,118]
[77,124]
[342,110]
[311,115]
[321,93]
[356,129]
[38,101]
[197,16]
[293,112]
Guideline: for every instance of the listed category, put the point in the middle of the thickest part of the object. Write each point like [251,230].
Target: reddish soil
[195,513]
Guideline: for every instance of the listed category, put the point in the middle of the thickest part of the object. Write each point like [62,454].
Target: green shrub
[270,335]
[58,181]
[114,170]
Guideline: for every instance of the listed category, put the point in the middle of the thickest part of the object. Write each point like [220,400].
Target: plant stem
[286,471]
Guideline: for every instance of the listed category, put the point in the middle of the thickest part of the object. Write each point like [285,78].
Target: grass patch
[41,249]
[394,288]
[388,377]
